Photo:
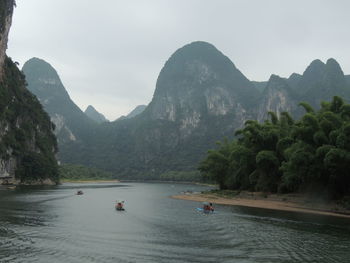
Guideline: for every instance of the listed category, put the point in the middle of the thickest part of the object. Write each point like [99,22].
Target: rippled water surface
[55,225]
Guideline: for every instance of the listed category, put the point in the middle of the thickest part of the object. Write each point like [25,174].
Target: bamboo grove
[285,155]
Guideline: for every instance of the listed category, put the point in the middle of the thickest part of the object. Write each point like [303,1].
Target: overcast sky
[109,53]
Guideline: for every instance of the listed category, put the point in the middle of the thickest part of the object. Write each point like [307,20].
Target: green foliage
[27,132]
[273,116]
[184,176]
[36,167]
[337,104]
[79,172]
[307,107]
[217,165]
[309,155]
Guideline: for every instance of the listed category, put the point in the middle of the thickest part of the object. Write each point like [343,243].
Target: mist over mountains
[200,97]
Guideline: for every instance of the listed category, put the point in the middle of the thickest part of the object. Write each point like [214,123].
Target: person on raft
[208,207]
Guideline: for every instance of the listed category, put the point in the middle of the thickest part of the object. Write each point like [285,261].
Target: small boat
[79,192]
[119,206]
[207,208]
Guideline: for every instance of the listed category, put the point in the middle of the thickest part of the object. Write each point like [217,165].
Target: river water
[55,225]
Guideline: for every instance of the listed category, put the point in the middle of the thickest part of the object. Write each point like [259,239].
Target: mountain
[293,81]
[277,97]
[199,88]
[138,110]
[43,81]
[93,114]
[319,82]
[347,77]
[260,85]
[199,79]
[73,128]
[27,143]
[200,97]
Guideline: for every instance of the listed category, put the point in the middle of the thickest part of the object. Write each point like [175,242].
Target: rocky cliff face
[6,10]
[198,82]
[319,82]
[276,97]
[93,114]
[72,125]
[27,144]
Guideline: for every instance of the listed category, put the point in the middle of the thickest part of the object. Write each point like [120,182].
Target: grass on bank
[79,173]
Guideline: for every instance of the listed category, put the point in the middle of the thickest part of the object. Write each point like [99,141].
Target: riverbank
[292,203]
[12,182]
[88,181]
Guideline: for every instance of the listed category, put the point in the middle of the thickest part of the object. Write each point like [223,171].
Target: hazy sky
[109,53]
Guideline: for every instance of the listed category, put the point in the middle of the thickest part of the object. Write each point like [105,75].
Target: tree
[308,155]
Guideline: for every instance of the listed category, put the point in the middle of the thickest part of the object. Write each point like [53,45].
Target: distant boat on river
[119,206]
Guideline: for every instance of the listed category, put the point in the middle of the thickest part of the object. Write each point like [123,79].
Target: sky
[109,53]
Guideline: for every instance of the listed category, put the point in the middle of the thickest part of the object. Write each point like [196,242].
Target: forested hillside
[28,145]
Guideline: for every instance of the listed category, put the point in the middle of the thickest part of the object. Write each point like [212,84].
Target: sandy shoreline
[260,203]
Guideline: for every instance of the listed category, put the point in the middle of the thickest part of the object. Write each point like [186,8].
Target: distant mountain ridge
[93,114]
[319,82]
[200,97]
[138,110]
[73,127]
[44,82]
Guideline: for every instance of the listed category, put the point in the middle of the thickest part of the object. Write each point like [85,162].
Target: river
[55,225]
